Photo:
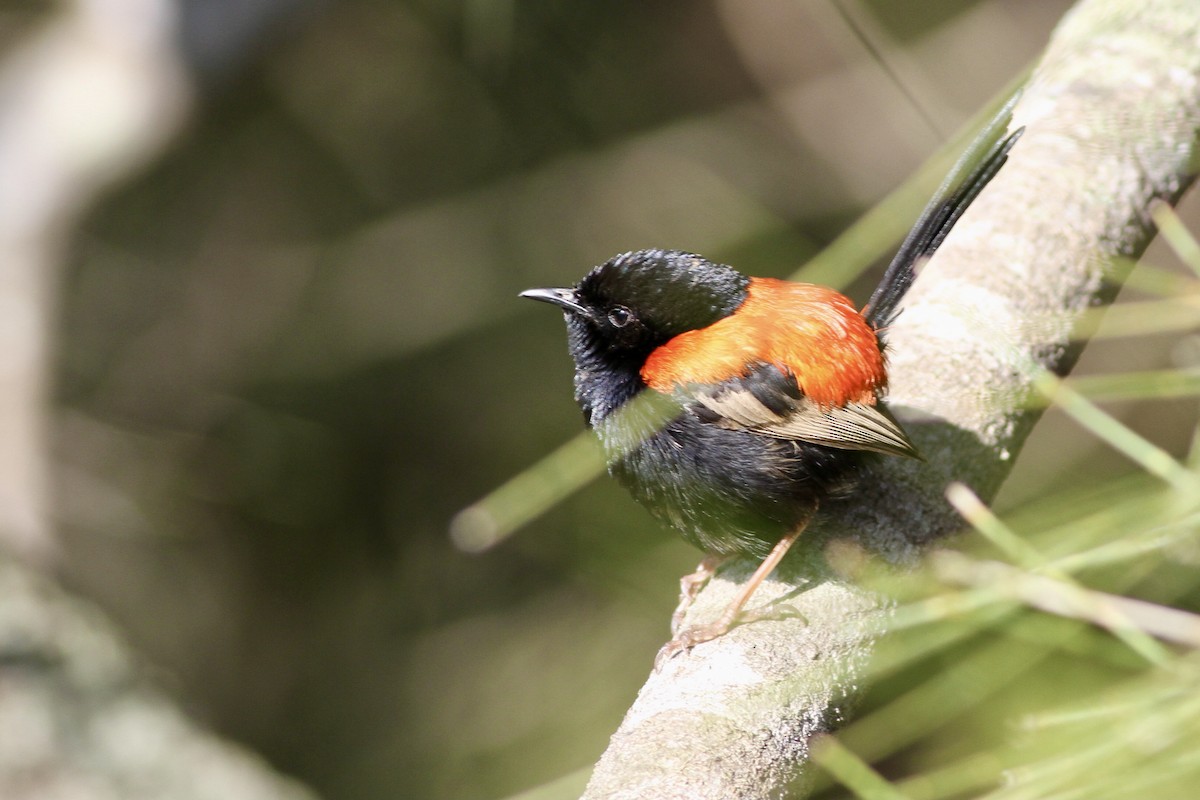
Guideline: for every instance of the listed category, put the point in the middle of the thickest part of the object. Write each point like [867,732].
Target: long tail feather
[973,170]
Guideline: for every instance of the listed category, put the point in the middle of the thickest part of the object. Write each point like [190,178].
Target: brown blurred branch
[89,97]
[1112,114]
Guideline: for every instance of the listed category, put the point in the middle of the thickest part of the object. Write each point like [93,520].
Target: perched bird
[731,406]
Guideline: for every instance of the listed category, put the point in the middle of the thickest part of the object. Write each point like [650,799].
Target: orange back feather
[813,332]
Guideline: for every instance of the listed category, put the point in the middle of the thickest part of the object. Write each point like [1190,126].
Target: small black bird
[732,406]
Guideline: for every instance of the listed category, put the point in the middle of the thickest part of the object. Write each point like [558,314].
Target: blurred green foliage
[291,351]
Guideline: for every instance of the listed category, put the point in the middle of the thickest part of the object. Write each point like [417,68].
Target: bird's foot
[690,586]
[689,638]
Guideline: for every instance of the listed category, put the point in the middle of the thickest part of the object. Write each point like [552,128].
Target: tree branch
[79,720]
[88,97]
[1112,114]
[87,100]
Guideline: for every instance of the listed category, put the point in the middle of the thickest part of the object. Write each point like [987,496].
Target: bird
[734,407]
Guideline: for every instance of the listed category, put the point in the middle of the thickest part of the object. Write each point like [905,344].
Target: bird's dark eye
[620,316]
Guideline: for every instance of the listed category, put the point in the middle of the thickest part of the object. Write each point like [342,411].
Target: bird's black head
[629,305]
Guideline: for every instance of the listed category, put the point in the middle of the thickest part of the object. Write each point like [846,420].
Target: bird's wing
[768,401]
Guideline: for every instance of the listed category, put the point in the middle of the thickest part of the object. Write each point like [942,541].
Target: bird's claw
[690,586]
[687,639]
[698,634]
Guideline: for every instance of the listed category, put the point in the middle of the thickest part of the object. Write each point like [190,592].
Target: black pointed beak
[565,298]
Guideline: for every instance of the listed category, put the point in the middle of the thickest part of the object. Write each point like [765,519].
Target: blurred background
[286,346]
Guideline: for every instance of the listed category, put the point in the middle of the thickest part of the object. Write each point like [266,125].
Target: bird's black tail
[973,170]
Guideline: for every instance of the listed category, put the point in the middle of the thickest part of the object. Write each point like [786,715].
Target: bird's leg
[704,633]
[690,586]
